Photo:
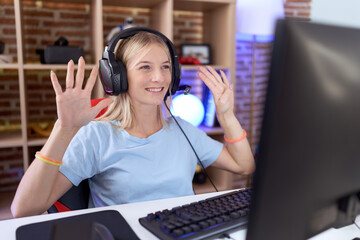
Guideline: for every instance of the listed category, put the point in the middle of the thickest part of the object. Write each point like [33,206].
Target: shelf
[53,66]
[133,3]
[207,187]
[200,5]
[36,142]
[10,139]
[9,66]
[221,178]
[212,130]
[196,67]
[42,141]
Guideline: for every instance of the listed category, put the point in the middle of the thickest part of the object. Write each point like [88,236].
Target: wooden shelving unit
[218,30]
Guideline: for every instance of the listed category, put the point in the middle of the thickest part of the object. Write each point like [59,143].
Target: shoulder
[99,128]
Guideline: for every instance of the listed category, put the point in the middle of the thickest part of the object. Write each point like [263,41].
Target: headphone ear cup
[176,76]
[119,78]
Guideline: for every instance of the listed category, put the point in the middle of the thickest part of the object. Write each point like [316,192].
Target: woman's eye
[166,67]
[145,67]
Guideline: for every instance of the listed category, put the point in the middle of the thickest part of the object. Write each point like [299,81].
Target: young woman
[131,153]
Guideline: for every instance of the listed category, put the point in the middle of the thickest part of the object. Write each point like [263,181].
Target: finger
[55,83]
[211,76]
[70,75]
[207,74]
[215,74]
[225,79]
[80,73]
[92,79]
[210,84]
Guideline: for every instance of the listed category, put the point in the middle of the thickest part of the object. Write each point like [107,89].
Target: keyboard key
[195,227]
[203,224]
[177,232]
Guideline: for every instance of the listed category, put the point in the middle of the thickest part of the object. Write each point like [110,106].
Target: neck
[146,122]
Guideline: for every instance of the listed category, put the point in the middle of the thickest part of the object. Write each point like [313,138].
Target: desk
[133,211]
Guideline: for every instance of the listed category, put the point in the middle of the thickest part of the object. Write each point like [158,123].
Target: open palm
[220,88]
[73,104]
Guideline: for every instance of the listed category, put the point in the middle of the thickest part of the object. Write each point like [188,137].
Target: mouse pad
[112,219]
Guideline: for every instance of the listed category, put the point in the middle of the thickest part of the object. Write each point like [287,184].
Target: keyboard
[207,218]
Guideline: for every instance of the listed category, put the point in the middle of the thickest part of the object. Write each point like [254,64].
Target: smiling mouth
[155,90]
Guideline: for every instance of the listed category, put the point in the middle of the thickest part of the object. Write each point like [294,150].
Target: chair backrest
[74,199]
[77,197]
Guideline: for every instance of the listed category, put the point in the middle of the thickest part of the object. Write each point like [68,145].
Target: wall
[294,9]
[43,24]
[334,12]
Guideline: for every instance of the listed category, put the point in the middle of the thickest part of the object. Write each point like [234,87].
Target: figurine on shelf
[4,58]
[128,22]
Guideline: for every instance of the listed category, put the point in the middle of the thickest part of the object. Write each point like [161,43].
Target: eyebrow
[148,62]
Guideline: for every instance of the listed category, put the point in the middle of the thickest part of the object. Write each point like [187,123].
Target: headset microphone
[185,88]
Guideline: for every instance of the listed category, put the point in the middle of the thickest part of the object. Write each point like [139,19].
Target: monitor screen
[308,170]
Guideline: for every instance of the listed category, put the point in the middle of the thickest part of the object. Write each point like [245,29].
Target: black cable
[198,159]
[356,224]
[226,235]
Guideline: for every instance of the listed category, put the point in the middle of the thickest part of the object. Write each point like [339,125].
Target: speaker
[113,72]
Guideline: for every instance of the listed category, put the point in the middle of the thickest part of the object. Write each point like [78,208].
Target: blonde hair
[126,49]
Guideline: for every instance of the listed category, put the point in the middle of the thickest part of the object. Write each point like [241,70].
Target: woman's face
[149,76]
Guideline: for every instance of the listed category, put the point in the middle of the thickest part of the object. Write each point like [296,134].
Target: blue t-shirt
[122,168]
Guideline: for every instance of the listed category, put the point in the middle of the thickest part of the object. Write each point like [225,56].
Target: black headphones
[113,72]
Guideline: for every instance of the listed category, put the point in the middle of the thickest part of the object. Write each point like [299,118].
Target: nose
[158,75]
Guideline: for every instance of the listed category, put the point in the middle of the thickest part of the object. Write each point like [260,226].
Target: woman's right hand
[73,104]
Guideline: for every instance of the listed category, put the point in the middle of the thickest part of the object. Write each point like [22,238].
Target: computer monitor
[308,170]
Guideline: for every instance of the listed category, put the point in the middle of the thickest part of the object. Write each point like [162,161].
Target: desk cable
[227,236]
[356,224]
[198,159]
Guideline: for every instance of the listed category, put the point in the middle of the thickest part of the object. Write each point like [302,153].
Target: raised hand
[220,88]
[73,104]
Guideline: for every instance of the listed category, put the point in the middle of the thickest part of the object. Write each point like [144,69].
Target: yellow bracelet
[236,140]
[39,156]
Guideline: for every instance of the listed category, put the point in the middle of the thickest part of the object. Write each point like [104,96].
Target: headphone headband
[113,72]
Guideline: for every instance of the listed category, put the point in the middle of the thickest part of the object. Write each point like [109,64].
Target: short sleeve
[79,159]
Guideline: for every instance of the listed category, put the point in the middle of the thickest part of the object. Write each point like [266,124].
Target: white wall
[336,12]
[258,16]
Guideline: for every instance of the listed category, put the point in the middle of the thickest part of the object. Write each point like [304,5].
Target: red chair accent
[61,207]
[94,102]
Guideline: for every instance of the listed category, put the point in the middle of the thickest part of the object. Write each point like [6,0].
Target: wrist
[227,118]
[63,133]
[58,141]
[64,129]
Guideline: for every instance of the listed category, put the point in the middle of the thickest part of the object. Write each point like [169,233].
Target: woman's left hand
[220,88]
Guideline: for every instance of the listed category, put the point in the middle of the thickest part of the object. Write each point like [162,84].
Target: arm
[235,157]
[42,183]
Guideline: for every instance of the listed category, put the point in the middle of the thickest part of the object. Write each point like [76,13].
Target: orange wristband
[39,156]
[236,140]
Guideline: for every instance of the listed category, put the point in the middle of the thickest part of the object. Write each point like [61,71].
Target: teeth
[154,89]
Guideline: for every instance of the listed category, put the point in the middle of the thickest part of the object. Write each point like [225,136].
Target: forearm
[33,195]
[240,151]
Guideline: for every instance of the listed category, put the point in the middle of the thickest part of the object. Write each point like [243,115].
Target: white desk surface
[133,211]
